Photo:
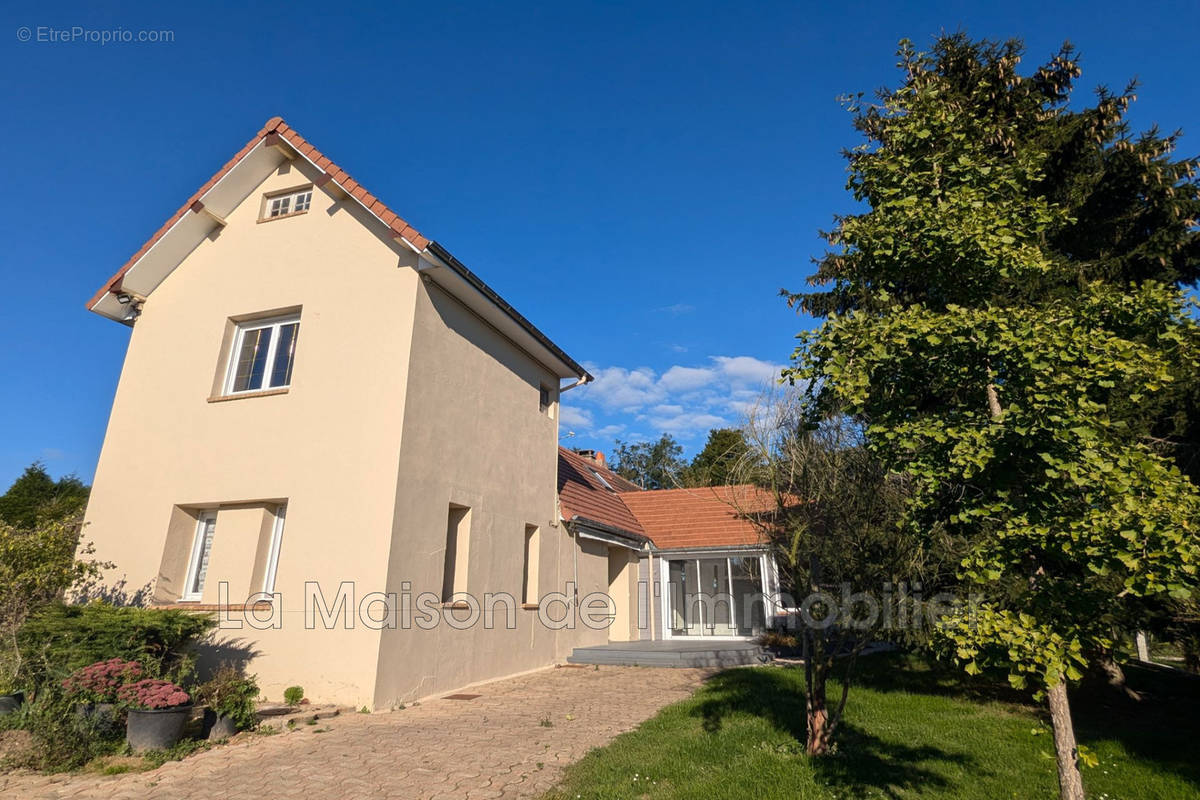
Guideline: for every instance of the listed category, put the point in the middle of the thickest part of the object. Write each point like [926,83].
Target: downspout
[575,557]
[650,589]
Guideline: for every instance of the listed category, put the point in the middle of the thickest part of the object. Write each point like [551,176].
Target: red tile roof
[711,516]
[581,494]
[275,126]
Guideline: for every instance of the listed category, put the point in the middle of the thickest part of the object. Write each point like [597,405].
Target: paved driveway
[494,746]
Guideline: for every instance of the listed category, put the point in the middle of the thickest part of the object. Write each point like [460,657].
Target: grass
[911,731]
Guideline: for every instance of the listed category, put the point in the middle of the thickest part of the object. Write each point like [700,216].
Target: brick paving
[493,746]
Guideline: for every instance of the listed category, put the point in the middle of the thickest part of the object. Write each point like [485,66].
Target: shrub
[231,693]
[60,639]
[151,694]
[777,639]
[293,695]
[62,739]
[37,565]
[100,682]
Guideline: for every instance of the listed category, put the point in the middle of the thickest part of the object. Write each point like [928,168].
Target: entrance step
[671,653]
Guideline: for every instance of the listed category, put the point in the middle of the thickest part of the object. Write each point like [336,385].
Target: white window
[193,586]
[273,554]
[262,355]
[282,205]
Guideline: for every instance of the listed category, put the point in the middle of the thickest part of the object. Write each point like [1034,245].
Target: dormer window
[287,203]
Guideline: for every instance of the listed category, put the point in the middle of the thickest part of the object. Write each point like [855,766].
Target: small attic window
[287,203]
[600,478]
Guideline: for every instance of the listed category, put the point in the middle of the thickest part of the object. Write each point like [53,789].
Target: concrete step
[658,654]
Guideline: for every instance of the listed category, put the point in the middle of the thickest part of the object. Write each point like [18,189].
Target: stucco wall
[329,447]
[474,436]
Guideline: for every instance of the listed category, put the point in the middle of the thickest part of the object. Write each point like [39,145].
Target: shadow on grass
[1161,728]
[862,760]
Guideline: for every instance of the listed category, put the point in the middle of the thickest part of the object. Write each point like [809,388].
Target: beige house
[333,434]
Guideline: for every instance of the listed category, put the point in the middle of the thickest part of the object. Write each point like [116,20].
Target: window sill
[459,605]
[196,605]
[530,606]
[282,216]
[221,398]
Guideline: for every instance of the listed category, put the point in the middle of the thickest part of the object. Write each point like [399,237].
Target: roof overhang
[276,144]
[600,532]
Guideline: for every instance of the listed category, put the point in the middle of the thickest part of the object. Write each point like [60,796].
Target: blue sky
[638,179]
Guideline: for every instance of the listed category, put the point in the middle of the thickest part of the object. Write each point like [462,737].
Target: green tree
[834,530]
[37,565]
[722,455]
[36,495]
[1002,375]
[651,465]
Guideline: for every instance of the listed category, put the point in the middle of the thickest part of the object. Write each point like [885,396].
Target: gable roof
[710,516]
[194,220]
[582,496]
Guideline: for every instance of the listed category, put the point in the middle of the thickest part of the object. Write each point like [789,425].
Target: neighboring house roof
[710,516]
[282,137]
[583,496]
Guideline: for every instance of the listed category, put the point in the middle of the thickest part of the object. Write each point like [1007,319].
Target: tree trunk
[1143,646]
[818,719]
[1070,784]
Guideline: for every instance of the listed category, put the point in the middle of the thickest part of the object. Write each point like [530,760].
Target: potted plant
[230,697]
[94,688]
[158,710]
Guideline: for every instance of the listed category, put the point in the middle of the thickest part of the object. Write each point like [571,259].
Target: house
[702,564]
[334,435]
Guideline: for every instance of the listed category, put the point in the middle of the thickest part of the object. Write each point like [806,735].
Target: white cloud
[574,418]
[687,425]
[678,308]
[747,369]
[684,400]
[679,378]
[627,389]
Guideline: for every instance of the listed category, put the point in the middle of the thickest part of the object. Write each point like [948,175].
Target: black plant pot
[218,726]
[156,729]
[11,702]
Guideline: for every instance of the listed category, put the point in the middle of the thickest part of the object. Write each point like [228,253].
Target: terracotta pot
[10,702]
[156,729]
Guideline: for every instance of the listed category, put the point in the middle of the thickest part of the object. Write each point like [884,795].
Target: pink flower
[153,694]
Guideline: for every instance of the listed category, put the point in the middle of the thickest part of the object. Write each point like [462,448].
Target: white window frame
[275,323]
[268,585]
[767,582]
[196,556]
[291,197]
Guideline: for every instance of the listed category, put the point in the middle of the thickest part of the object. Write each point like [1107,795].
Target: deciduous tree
[999,363]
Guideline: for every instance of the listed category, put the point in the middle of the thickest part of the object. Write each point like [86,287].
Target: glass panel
[285,353]
[252,360]
[748,600]
[684,587]
[208,527]
[302,201]
[714,580]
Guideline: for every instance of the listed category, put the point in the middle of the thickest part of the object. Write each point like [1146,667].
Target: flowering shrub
[152,694]
[100,682]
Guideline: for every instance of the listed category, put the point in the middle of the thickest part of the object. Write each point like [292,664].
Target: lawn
[911,731]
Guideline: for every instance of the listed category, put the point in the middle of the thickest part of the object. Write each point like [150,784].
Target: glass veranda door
[702,600]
